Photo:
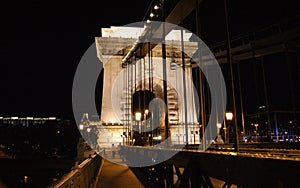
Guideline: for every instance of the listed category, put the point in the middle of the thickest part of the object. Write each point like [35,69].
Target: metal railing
[82,175]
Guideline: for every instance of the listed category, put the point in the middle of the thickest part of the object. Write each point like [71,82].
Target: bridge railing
[82,175]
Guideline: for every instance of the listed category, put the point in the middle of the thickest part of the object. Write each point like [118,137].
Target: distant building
[27,121]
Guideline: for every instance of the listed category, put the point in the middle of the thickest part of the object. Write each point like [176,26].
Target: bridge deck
[117,176]
[114,174]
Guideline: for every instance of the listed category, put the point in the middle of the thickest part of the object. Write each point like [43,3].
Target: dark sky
[41,43]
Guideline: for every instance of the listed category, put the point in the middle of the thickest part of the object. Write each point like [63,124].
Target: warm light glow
[52,118]
[81,127]
[25,179]
[261,107]
[151,15]
[14,118]
[229,116]
[219,125]
[29,118]
[138,116]
[1,117]
[146,111]
[40,119]
[156,7]
[88,130]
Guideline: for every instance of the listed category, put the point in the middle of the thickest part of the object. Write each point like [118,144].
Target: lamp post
[229,61]
[219,125]
[229,118]
[138,116]
[225,133]
[256,130]
[146,112]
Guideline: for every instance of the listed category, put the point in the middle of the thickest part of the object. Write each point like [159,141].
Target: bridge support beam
[192,176]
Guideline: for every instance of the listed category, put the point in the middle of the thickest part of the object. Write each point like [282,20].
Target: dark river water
[33,178]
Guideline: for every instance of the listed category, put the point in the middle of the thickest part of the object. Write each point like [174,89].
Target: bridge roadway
[117,176]
[115,173]
[212,168]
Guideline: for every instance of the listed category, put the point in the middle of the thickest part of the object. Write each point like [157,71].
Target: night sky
[41,43]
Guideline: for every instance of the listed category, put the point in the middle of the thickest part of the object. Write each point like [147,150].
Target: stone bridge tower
[146,73]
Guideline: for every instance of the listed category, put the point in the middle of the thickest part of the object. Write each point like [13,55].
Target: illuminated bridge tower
[145,73]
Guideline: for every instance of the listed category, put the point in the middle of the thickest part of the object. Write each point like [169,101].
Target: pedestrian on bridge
[113,150]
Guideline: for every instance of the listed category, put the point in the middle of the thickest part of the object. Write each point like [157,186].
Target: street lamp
[229,116]
[152,15]
[81,127]
[88,129]
[146,112]
[138,116]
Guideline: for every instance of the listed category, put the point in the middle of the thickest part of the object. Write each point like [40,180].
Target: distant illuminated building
[27,121]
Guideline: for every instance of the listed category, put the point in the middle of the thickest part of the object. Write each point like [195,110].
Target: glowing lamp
[138,116]
[229,116]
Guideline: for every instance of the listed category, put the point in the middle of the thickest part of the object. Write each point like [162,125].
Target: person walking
[113,150]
